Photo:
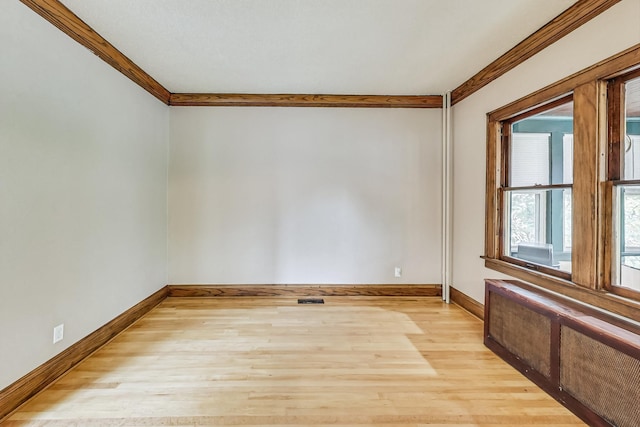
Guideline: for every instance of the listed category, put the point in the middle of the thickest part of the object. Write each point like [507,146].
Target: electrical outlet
[58,333]
[398,272]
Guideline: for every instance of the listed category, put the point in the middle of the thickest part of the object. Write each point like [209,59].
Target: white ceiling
[385,47]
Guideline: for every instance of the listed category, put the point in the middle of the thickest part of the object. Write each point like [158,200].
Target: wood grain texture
[604,215]
[303,290]
[617,64]
[492,209]
[67,22]
[606,250]
[28,386]
[561,107]
[308,100]
[594,117]
[623,306]
[581,12]
[354,361]
[585,195]
[616,129]
[467,303]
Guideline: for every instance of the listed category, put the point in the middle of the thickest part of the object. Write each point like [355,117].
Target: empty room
[320,212]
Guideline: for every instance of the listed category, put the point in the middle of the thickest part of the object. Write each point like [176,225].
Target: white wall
[304,195]
[615,30]
[83,155]
[256,195]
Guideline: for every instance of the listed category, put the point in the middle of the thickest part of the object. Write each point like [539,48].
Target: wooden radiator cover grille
[601,377]
[587,359]
[523,332]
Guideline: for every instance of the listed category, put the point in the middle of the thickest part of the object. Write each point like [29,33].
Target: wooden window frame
[592,192]
[505,183]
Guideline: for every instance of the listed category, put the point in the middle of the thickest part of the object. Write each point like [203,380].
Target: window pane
[566,216]
[538,226]
[530,159]
[567,158]
[628,236]
[632,126]
[541,150]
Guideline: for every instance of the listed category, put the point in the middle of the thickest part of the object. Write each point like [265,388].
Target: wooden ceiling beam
[575,16]
[309,100]
[65,20]
[69,23]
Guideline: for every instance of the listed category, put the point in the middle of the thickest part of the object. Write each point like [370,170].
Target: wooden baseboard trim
[467,303]
[303,290]
[35,381]
[16,394]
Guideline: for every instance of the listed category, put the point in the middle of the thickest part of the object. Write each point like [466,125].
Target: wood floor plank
[354,361]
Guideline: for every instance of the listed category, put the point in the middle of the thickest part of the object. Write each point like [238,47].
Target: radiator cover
[573,352]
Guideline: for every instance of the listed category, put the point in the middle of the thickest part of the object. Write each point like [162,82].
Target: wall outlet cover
[58,333]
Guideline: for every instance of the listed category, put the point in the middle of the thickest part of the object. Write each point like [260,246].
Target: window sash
[537,219]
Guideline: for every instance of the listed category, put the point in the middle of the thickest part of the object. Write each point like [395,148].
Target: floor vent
[310,301]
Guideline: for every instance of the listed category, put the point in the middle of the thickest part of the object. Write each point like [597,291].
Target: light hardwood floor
[270,362]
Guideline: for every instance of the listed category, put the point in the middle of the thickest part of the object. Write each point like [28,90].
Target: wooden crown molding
[620,63]
[65,20]
[308,100]
[575,16]
[69,23]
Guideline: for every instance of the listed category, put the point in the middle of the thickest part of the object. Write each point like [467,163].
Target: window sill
[623,306]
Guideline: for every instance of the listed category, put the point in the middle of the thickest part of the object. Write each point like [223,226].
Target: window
[563,186]
[624,93]
[536,189]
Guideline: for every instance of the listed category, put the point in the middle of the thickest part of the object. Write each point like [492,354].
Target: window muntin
[536,192]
